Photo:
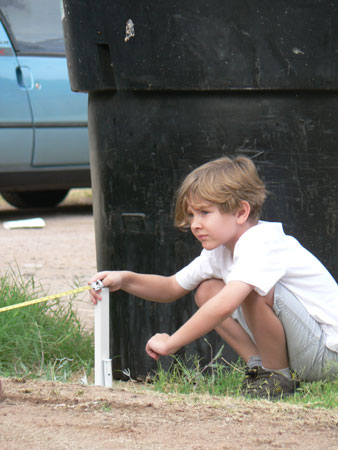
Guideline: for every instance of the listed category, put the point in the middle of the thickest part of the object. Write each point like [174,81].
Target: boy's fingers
[151,353]
[94,296]
[99,276]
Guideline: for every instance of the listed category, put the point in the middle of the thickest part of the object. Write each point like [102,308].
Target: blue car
[43,124]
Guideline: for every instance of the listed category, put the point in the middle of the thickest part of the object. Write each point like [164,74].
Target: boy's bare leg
[270,349]
[229,330]
[238,339]
[267,330]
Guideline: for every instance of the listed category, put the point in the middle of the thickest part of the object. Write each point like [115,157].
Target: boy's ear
[243,212]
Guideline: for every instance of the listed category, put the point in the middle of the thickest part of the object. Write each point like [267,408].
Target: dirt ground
[46,415]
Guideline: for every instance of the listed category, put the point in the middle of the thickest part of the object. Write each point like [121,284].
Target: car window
[35,25]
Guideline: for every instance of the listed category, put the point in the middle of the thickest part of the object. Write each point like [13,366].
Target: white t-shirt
[263,256]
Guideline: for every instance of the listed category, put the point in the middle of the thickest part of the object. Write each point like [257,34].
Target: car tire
[35,199]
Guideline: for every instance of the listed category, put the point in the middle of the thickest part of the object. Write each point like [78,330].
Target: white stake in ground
[103,367]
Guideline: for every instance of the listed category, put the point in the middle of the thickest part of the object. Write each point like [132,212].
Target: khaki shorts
[308,355]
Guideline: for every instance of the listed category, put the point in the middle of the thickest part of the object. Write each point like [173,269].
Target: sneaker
[250,375]
[262,383]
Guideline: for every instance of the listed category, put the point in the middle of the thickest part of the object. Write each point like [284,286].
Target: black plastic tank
[173,84]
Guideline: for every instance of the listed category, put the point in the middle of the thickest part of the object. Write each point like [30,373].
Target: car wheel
[35,199]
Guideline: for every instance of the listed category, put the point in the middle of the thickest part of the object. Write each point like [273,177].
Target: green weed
[43,340]
[322,394]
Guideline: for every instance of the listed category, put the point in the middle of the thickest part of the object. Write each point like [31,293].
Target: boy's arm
[150,287]
[211,314]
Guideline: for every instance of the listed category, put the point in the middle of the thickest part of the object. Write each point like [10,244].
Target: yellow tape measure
[97,285]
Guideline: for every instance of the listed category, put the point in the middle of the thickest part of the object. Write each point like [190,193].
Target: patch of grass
[186,376]
[43,340]
[322,394]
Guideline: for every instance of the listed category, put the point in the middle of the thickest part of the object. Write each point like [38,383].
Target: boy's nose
[195,223]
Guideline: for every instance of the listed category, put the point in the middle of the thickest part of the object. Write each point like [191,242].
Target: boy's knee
[206,290]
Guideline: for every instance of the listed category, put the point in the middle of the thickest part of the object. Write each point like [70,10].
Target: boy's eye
[203,212]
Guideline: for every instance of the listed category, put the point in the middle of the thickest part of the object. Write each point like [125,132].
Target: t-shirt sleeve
[202,268]
[259,262]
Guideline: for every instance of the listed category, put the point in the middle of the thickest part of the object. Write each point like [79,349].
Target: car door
[16,123]
[59,115]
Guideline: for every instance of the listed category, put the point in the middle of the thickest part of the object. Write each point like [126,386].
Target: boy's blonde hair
[224,181]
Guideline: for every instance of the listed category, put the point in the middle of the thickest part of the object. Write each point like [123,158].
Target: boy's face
[211,226]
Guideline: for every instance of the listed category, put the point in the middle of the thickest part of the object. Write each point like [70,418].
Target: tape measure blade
[45,299]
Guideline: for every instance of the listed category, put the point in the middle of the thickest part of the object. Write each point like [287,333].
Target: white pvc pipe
[103,375]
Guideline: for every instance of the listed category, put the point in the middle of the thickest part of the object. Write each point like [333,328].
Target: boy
[270,299]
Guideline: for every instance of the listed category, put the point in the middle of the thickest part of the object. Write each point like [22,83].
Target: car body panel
[60,145]
[16,132]
[60,115]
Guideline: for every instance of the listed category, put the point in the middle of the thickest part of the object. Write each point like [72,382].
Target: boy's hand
[158,346]
[112,280]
